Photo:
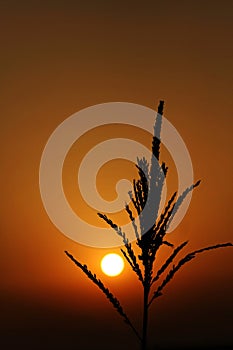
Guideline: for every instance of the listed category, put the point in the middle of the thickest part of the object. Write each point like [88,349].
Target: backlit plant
[145,203]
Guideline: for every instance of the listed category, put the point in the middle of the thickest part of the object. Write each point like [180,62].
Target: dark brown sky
[58,57]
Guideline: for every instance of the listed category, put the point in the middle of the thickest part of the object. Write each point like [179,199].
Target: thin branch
[180,200]
[116,228]
[169,261]
[134,202]
[132,219]
[128,246]
[168,244]
[136,194]
[113,300]
[134,265]
[165,214]
[182,262]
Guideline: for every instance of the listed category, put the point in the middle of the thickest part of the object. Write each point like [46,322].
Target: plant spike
[146,198]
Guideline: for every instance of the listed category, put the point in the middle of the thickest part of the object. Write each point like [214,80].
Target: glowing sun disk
[112,264]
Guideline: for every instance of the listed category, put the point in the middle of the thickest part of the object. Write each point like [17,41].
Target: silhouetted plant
[145,202]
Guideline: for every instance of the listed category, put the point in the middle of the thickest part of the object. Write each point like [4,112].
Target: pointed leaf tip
[197,183]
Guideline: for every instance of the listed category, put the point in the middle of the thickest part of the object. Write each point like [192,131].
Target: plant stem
[145,318]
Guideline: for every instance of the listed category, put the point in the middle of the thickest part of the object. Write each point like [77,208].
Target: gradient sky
[58,57]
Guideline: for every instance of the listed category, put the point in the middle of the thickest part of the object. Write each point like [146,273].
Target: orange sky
[60,57]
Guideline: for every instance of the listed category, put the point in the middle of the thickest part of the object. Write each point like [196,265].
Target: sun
[112,264]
